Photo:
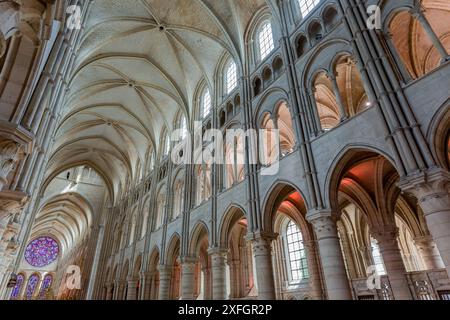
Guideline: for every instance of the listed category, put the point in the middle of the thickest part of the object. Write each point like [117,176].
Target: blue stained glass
[46,284]
[41,252]
[31,287]
[16,290]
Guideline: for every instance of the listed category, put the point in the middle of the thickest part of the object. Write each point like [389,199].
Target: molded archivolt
[410,41]
[343,158]
[439,135]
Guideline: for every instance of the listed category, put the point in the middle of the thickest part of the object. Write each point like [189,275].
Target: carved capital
[262,242]
[324,223]
[9,19]
[10,152]
[431,190]
[386,236]
[11,204]
[165,271]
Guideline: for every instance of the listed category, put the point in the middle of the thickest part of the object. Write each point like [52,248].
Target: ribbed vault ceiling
[139,65]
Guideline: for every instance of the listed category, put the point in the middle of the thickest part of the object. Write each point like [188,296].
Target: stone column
[109,291]
[219,273]
[335,276]
[315,111]
[420,16]
[434,199]
[313,268]
[429,253]
[207,284]
[339,100]
[132,289]
[116,290]
[386,237]
[262,253]
[120,290]
[146,285]
[165,274]
[188,265]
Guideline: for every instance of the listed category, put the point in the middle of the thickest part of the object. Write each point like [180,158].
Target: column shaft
[188,279]
[393,262]
[262,252]
[335,276]
[219,274]
[429,253]
[165,274]
[132,289]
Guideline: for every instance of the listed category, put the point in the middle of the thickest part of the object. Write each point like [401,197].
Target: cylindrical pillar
[393,262]
[429,253]
[165,274]
[313,268]
[188,265]
[262,253]
[219,273]
[335,275]
[132,289]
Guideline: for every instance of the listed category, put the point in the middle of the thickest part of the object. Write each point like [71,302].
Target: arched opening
[16,292]
[330,18]
[174,269]
[154,275]
[421,39]
[269,146]
[315,32]
[301,45]
[326,102]
[222,118]
[230,110]
[277,66]
[32,285]
[123,283]
[203,183]
[351,88]
[178,201]
[340,94]
[136,280]
[257,85]
[145,217]
[234,157]
[265,40]
[160,207]
[294,251]
[286,129]
[240,266]
[267,77]
[203,277]
[365,196]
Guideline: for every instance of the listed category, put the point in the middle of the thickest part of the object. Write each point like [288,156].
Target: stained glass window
[17,288]
[41,252]
[46,284]
[32,285]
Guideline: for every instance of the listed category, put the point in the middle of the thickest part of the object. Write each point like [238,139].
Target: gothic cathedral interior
[215,150]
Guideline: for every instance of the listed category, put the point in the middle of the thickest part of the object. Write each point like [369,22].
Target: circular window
[41,252]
